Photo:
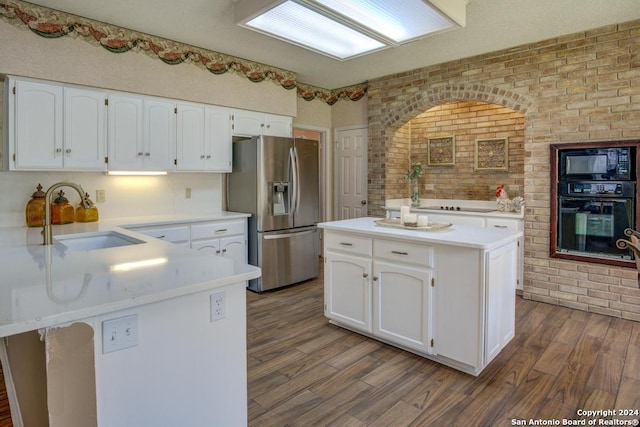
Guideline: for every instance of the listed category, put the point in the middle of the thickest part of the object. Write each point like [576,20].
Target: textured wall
[579,87]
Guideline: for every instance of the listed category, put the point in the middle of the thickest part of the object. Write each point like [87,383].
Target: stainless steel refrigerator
[276,180]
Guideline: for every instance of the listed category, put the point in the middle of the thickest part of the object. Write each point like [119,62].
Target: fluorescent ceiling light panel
[301,25]
[399,21]
[343,29]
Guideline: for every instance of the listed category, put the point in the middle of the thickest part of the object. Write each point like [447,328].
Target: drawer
[174,234]
[217,229]
[348,243]
[506,223]
[404,252]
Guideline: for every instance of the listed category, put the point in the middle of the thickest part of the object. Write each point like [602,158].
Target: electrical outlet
[218,306]
[187,193]
[120,333]
[101,196]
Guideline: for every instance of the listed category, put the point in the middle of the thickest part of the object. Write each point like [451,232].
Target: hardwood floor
[303,371]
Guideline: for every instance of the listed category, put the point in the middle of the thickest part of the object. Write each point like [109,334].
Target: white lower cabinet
[348,290]
[452,304]
[227,239]
[402,304]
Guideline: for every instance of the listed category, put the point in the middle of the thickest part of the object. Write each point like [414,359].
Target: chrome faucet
[46,231]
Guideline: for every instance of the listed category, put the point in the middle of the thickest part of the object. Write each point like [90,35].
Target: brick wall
[468,121]
[579,87]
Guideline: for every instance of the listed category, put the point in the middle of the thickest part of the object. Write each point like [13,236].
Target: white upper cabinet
[159,134]
[141,133]
[204,138]
[51,127]
[251,123]
[84,129]
[54,126]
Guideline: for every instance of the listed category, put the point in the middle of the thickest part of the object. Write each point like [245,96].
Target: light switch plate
[120,333]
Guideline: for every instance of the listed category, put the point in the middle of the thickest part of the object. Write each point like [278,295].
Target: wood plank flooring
[303,371]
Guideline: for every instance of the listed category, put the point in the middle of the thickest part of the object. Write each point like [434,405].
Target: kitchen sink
[98,240]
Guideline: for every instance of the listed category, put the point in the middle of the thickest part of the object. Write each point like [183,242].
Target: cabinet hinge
[14,90]
[175,162]
[518,243]
[433,282]
[106,159]
[175,110]
[432,342]
[14,157]
[106,101]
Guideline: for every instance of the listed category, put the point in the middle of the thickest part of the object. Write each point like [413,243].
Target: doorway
[351,172]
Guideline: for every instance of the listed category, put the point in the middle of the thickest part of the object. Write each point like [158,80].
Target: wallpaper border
[53,24]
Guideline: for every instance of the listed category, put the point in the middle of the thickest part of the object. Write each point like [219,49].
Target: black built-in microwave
[598,164]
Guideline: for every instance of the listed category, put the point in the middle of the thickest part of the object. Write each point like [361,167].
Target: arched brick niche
[404,142]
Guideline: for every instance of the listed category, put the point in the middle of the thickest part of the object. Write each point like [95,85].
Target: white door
[351,173]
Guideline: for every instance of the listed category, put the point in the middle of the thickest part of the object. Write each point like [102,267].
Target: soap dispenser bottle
[35,208]
[61,211]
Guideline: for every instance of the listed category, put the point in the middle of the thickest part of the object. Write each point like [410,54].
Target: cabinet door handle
[375,278]
[58,150]
[365,275]
[140,153]
[346,244]
[400,253]
[147,154]
[68,150]
[224,251]
[208,156]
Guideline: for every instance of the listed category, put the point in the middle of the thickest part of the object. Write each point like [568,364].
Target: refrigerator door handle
[293,159]
[287,235]
[297,179]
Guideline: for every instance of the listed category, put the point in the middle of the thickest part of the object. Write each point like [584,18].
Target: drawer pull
[400,253]
[346,244]
[221,230]
[501,226]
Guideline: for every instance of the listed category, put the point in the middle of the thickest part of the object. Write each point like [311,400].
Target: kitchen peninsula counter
[448,295]
[64,297]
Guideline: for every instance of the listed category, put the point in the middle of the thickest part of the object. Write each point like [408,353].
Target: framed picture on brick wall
[441,151]
[492,154]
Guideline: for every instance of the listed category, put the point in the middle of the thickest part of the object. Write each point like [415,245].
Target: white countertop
[44,286]
[467,207]
[456,235]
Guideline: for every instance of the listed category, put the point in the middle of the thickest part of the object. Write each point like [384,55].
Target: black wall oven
[594,201]
[593,215]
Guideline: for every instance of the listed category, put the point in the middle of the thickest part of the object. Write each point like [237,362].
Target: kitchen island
[447,295]
[143,333]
